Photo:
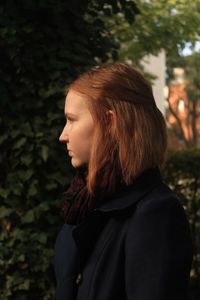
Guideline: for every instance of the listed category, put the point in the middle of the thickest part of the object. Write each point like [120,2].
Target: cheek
[82,135]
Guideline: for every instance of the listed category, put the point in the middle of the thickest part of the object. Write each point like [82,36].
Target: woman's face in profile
[79,129]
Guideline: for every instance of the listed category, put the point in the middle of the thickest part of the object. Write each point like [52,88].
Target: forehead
[75,103]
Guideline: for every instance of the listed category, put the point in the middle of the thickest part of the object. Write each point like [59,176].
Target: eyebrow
[68,114]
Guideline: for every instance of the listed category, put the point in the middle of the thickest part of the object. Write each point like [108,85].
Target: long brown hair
[136,138]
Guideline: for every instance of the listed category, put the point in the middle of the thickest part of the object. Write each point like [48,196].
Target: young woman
[126,236]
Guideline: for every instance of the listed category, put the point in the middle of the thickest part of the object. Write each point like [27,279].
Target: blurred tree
[165,24]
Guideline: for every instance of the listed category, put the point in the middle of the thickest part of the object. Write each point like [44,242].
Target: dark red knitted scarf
[78,203]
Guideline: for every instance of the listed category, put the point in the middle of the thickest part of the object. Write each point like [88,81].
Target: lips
[69,152]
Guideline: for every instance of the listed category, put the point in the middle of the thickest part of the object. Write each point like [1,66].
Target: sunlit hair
[133,138]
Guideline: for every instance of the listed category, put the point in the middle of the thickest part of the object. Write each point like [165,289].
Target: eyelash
[69,120]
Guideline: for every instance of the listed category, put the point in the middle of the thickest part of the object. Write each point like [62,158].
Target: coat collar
[130,195]
[85,234]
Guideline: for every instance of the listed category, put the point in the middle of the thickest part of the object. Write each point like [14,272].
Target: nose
[63,138]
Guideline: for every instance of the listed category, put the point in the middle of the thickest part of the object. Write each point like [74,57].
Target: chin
[78,164]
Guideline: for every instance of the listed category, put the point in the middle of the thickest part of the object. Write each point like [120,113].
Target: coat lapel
[85,234]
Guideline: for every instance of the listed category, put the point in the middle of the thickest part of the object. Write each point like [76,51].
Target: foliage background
[181,173]
[44,45]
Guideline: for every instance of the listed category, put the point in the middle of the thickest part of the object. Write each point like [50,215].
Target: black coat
[136,246]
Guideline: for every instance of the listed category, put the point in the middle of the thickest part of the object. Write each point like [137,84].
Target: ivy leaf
[24,285]
[29,217]
[5,211]
[44,152]
[3,193]
[39,237]
[20,143]
[42,238]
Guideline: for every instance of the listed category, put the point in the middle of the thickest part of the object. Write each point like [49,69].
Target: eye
[69,120]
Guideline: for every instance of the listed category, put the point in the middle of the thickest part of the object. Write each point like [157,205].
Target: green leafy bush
[182,173]
[44,45]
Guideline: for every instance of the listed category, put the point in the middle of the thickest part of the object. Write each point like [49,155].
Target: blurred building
[156,65]
[181,113]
